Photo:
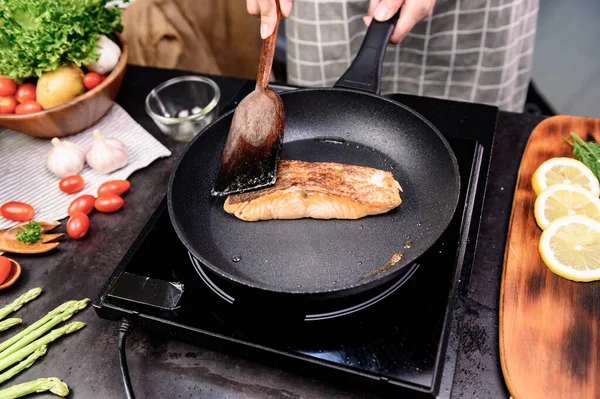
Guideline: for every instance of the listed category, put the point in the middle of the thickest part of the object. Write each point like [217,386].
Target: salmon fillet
[319,190]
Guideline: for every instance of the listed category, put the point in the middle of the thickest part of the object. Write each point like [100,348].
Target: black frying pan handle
[365,71]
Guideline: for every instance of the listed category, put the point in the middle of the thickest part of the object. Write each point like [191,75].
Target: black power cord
[124,328]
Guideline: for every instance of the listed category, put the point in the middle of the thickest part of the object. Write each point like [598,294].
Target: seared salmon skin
[319,190]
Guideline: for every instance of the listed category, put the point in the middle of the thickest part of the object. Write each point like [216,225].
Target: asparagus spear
[32,347]
[36,325]
[37,333]
[20,301]
[8,323]
[25,364]
[51,384]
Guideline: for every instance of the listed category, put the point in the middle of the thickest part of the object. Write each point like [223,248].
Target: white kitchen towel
[25,178]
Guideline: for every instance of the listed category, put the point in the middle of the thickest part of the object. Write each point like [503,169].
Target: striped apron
[468,50]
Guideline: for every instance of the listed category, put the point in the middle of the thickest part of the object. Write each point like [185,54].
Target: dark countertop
[164,368]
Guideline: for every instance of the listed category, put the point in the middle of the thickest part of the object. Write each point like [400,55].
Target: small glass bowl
[182,107]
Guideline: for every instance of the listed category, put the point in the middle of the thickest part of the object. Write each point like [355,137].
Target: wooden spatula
[253,147]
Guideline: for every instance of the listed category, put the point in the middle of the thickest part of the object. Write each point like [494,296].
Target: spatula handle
[267,54]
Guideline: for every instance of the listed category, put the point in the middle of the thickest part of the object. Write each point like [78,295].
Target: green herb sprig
[588,152]
[32,233]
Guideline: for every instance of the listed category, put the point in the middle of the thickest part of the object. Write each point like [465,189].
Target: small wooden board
[549,326]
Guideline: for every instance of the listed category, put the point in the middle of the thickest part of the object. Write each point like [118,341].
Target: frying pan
[349,123]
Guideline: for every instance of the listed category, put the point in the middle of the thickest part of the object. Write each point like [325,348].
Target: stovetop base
[405,343]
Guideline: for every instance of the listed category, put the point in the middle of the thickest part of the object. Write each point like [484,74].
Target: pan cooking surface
[309,254]
[319,256]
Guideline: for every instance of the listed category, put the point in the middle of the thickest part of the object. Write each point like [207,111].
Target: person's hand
[267,11]
[412,12]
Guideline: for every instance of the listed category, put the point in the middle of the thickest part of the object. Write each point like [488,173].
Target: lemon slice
[564,171]
[570,247]
[565,200]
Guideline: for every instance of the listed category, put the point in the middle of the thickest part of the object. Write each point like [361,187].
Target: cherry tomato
[5,267]
[92,79]
[71,184]
[78,225]
[25,92]
[8,105]
[108,203]
[8,87]
[28,107]
[83,203]
[17,211]
[117,187]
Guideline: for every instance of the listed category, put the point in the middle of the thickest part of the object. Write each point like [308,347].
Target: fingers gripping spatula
[253,147]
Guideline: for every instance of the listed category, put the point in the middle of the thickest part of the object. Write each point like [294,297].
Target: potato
[58,87]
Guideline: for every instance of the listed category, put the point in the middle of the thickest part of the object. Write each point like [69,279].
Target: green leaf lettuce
[40,35]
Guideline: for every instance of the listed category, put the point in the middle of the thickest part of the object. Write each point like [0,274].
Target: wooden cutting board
[549,326]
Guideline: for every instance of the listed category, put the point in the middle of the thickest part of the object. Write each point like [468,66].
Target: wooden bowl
[13,276]
[76,115]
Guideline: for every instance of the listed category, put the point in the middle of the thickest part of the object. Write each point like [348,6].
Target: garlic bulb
[110,52]
[106,154]
[65,158]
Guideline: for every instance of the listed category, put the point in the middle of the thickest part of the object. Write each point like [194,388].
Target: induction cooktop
[402,337]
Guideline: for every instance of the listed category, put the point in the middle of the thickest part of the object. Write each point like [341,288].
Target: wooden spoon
[251,154]
[13,276]
[9,242]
